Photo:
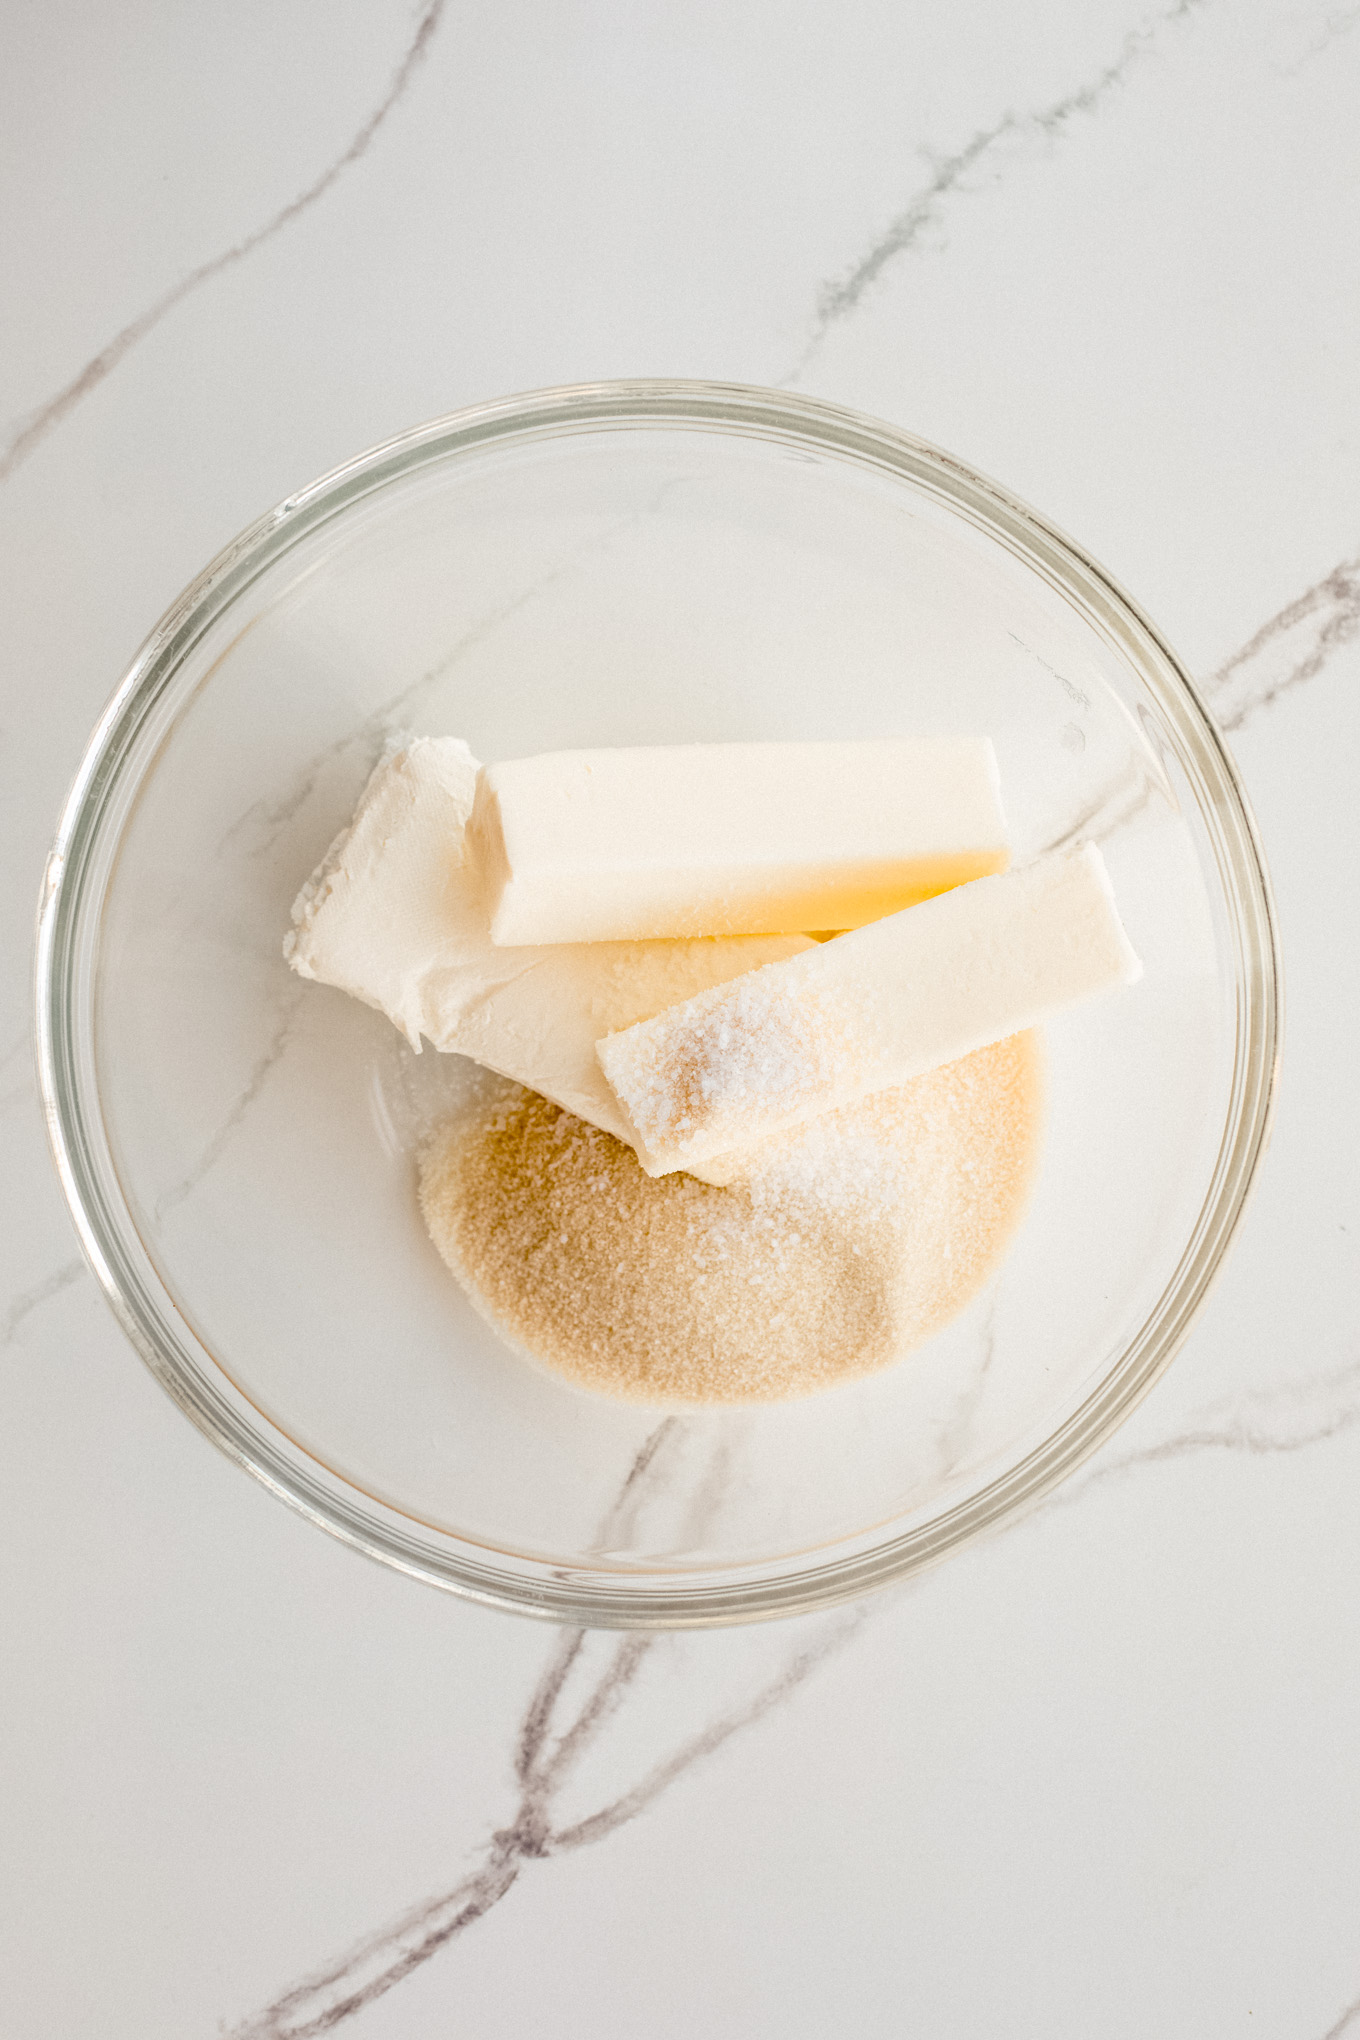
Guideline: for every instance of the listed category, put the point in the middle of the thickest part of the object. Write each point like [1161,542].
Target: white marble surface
[1099,1775]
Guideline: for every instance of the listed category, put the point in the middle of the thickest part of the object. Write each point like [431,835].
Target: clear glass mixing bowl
[628,563]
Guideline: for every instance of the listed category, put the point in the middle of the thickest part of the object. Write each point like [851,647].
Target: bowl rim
[71,900]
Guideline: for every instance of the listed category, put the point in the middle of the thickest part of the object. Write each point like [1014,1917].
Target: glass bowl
[624,563]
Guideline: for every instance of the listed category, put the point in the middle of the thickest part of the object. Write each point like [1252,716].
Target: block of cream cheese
[394,916]
[731,839]
[742,1062]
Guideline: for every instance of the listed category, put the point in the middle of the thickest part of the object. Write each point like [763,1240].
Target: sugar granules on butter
[864,1234]
[779,1046]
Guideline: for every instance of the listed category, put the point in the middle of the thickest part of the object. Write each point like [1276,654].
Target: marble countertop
[1099,1774]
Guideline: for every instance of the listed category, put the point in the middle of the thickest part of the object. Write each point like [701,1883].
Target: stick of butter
[731,839]
[739,1063]
[394,915]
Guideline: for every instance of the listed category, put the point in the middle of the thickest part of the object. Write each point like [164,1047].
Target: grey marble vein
[955,174]
[642,1476]
[259,1076]
[370,738]
[1338,24]
[800,1666]
[31,432]
[714,1487]
[382,724]
[547,1751]
[1273,1421]
[1289,650]
[1280,1420]
[1349,2021]
[955,1431]
[1121,800]
[330,1996]
[42,1292]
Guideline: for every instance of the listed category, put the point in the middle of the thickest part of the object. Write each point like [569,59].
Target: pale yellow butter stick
[738,1064]
[731,839]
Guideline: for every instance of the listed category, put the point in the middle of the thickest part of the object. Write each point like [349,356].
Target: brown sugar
[863,1233]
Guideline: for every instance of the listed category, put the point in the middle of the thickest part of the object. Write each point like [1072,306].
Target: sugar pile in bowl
[861,1235]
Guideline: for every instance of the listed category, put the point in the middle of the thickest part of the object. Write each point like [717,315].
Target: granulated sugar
[864,1232]
[750,1048]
